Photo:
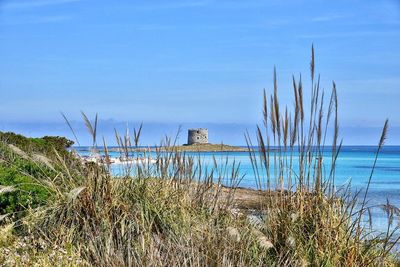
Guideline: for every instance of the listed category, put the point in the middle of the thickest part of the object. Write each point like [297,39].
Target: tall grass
[308,218]
[180,211]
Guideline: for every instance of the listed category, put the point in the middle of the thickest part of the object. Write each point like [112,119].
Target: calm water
[354,164]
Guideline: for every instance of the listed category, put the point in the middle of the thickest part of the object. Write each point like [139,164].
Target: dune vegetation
[58,211]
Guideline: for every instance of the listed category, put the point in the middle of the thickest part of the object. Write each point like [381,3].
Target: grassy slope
[168,221]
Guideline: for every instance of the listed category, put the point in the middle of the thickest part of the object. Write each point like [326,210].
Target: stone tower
[197,136]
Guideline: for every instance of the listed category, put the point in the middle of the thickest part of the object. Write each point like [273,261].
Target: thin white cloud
[350,34]
[155,27]
[384,81]
[37,20]
[326,18]
[174,4]
[212,69]
[35,3]
[202,3]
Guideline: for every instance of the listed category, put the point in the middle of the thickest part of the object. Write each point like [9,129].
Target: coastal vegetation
[45,145]
[208,147]
[179,212]
[20,171]
[211,148]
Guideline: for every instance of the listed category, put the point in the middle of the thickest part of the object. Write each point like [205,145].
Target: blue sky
[194,62]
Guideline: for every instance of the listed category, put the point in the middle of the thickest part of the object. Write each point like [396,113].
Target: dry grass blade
[18,151]
[74,193]
[381,143]
[43,160]
[92,130]
[300,89]
[312,63]
[265,109]
[70,127]
[137,134]
[6,189]
[276,106]
[3,217]
[384,133]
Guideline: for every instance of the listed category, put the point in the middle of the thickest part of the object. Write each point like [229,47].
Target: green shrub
[27,193]
[23,173]
[45,145]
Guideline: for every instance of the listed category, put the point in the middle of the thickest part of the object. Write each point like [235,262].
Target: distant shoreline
[196,148]
[229,148]
[211,148]
[180,148]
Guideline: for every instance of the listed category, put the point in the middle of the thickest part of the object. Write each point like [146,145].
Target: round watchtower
[197,136]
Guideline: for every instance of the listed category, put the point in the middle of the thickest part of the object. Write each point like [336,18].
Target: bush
[27,192]
[25,174]
[45,145]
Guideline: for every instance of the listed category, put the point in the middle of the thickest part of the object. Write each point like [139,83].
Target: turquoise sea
[353,165]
